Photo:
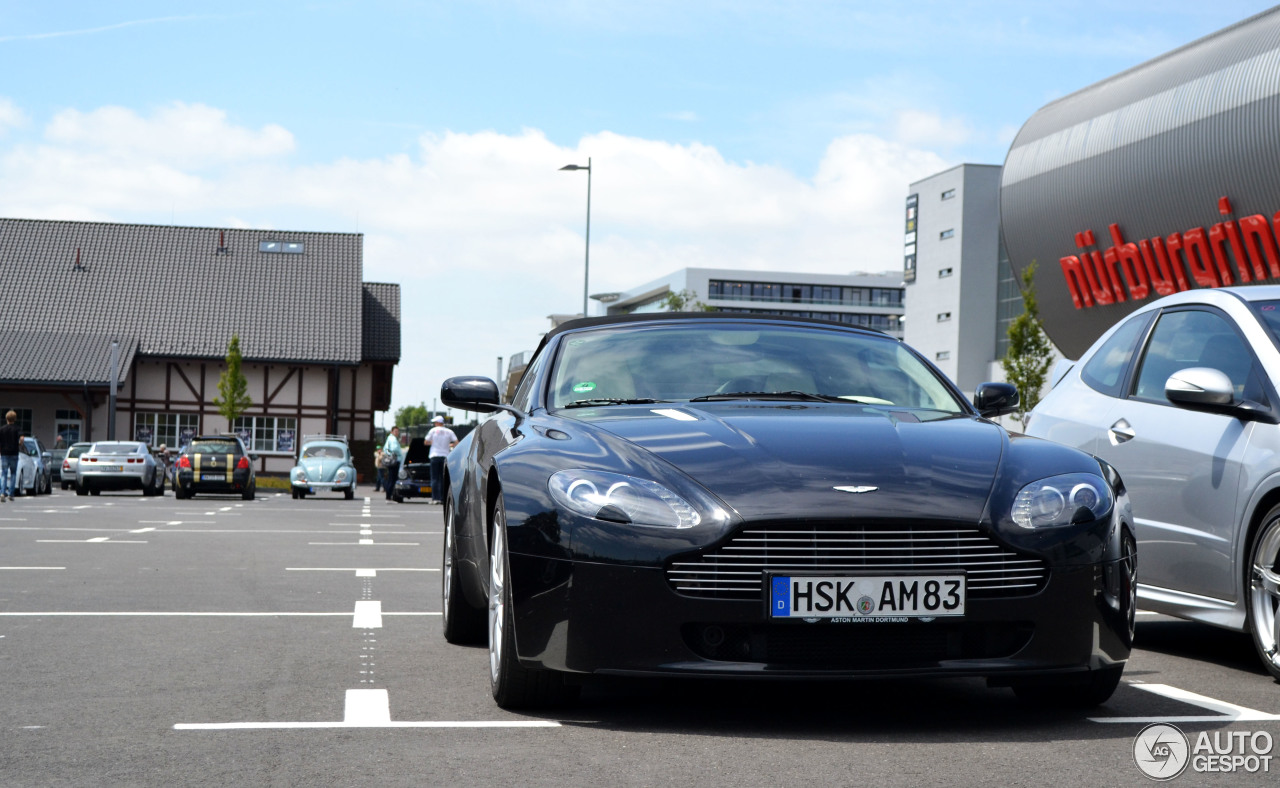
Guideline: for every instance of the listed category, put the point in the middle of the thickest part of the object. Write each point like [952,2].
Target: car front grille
[735,569]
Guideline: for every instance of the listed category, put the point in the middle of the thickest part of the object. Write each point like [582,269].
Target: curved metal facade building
[1164,177]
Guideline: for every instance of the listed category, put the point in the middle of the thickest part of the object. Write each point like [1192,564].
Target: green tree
[685,301]
[233,390]
[413,414]
[1026,363]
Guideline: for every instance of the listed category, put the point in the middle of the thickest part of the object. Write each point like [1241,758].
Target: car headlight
[341,475]
[404,474]
[621,499]
[1058,500]
[302,476]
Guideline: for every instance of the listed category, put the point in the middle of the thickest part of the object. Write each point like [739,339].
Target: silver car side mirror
[1200,386]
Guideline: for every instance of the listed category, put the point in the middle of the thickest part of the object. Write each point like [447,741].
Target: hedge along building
[1161,178]
[319,345]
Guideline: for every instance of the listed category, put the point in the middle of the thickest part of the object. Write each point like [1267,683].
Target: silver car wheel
[497,592]
[1264,593]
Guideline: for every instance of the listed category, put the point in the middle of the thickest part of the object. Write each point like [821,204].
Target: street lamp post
[586,267]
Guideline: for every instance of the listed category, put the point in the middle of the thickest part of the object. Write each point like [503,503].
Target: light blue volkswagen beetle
[324,463]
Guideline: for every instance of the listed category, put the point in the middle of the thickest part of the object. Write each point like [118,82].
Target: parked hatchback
[71,462]
[1181,398]
[217,464]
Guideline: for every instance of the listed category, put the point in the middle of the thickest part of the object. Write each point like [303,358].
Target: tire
[95,492]
[249,493]
[1072,691]
[81,491]
[1262,585]
[513,685]
[294,492]
[350,493]
[463,624]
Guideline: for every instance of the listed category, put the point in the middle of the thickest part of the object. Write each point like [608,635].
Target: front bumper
[626,620]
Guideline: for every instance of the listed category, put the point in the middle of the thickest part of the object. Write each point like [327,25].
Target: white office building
[961,292]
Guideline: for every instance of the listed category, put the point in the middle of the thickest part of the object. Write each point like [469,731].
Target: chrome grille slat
[735,570]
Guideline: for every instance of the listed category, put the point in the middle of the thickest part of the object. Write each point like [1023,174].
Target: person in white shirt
[392,456]
[441,439]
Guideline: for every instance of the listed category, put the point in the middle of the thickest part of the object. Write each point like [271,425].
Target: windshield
[715,360]
[76,451]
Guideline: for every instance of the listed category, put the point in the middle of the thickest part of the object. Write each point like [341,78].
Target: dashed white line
[6,568]
[368,615]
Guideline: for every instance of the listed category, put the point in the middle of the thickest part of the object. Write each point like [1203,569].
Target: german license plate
[845,597]
[424,490]
[111,468]
[213,477]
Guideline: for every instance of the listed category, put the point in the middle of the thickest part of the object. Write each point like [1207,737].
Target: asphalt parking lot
[150,641]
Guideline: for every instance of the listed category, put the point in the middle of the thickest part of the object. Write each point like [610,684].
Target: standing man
[442,440]
[392,456]
[10,441]
[377,465]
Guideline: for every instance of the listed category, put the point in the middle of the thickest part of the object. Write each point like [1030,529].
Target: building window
[942,355]
[944,317]
[945,234]
[280,247]
[24,418]
[267,433]
[171,430]
[949,194]
[800,293]
[944,273]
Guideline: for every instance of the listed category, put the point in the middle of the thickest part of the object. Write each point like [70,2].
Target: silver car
[1181,397]
[119,465]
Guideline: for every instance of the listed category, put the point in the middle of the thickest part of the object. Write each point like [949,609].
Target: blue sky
[753,134]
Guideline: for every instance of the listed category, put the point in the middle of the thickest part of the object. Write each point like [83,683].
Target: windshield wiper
[591,403]
[783,395]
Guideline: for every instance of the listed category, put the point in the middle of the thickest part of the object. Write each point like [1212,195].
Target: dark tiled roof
[183,291]
[381,321]
[63,358]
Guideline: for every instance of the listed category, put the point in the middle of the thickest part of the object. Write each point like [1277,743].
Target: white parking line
[4,568]
[360,571]
[97,540]
[142,530]
[368,615]
[1227,712]
[158,614]
[366,708]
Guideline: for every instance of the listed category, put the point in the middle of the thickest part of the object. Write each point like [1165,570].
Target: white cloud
[482,230]
[928,129]
[11,116]
[191,135]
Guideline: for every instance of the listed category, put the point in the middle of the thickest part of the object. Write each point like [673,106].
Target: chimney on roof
[78,266]
[222,243]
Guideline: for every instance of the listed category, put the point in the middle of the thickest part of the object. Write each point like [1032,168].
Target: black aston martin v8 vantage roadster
[745,496]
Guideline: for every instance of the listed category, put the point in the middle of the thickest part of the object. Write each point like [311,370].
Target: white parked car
[34,476]
[72,461]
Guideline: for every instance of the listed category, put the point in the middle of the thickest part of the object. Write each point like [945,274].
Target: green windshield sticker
[583,388]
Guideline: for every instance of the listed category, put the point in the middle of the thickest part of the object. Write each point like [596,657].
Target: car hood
[786,460]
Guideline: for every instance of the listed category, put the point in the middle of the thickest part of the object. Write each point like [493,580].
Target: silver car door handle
[1121,432]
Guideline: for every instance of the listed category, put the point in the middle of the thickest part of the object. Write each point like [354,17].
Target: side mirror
[470,393]
[1200,387]
[995,399]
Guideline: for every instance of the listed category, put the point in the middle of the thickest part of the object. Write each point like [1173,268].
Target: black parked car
[414,480]
[732,496]
[218,464]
